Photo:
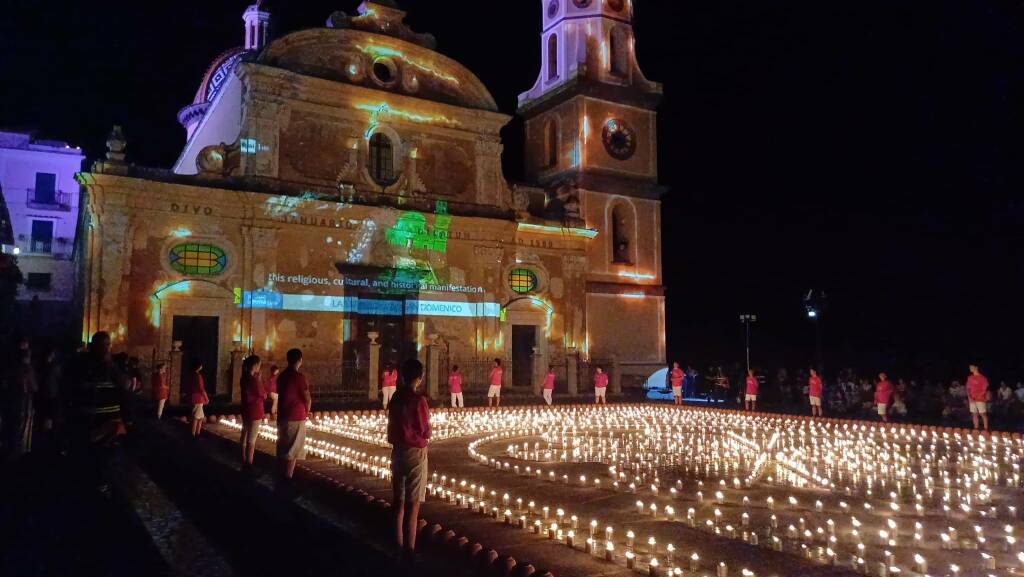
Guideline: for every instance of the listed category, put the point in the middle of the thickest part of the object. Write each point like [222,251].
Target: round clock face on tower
[582,3]
[619,139]
[616,5]
[552,8]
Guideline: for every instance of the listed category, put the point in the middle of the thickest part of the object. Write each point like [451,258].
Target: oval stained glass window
[198,259]
[522,280]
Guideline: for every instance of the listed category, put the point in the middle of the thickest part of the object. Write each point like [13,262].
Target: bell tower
[591,133]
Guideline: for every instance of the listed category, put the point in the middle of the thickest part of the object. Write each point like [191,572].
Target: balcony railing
[40,246]
[59,200]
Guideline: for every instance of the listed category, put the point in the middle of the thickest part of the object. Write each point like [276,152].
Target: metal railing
[59,200]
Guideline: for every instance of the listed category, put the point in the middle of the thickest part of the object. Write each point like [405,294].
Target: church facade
[341,191]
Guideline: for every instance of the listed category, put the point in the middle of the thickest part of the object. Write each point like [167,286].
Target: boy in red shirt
[978,396]
[197,396]
[409,435]
[549,385]
[600,386]
[388,383]
[814,393]
[883,394]
[295,405]
[750,399]
[676,378]
[494,391]
[455,388]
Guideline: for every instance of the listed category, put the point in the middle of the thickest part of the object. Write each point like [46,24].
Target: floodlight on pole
[746,320]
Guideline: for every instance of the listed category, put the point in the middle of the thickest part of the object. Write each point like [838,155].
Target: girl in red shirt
[750,398]
[676,378]
[814,393]
[455,388]
[253,396]
[160,389]
[198,396]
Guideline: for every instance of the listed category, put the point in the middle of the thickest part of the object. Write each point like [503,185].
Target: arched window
[382,159]
[620,51]
[553,56]
[622,235]
[551,143]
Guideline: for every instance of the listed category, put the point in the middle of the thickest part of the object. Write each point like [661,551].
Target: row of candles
[998,460]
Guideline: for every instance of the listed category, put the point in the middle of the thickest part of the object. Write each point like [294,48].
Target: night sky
[870,149]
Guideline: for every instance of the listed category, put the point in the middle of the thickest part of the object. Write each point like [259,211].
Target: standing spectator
[409,435]
[253,396]
[494,390]
[296,403]
[549,384]
[676,377]
[978,396]
[19,393]
[272,390]
[388,383]
[96,420]
[883,394]
[455,388]
[161,391]
[814,388]
[1005,396]
[197,395]
[1019,392]
[600,386]
[48,403]
[750,399]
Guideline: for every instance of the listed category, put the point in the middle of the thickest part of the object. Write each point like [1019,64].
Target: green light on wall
[198,259]
[522,280]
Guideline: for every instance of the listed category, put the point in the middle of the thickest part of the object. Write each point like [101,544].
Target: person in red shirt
[253,396]
[494,390]
[161,392]
[600,386]
[409,435]
[883,394]
[676,378]
[455,388]
[750,398]
[295,405]
[549,385]
[814,393]
[197,396]
[978,396]
[388,383]
[272,389]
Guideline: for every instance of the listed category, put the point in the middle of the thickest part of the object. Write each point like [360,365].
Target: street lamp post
[746,320]
[815,303]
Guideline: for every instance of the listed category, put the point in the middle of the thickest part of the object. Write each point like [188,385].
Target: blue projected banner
[270,300]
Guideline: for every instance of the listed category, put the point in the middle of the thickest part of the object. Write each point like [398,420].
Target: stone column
[433,367]
[616,376]
[572,368]
[538,370]
[236,372]
[374,379]
[174,372]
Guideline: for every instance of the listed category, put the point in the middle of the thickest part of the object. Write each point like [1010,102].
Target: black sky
[871,149]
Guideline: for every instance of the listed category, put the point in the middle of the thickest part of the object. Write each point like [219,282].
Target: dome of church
[376,49]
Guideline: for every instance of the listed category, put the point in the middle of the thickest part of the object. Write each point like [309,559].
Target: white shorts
[547,396]
[750,397]
[882,408]
[457,400]
[979,407]
[677,391]
[599,393]
[494,391]
[815,401]
[197,413]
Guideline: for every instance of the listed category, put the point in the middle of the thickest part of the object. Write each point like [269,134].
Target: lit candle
[694,562]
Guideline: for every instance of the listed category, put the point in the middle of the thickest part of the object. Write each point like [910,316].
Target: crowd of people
[970,400]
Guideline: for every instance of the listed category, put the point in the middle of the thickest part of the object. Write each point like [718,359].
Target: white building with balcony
[37,178]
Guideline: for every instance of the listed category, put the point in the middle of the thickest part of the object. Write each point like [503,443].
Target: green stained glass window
[198,259]
[522,280]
